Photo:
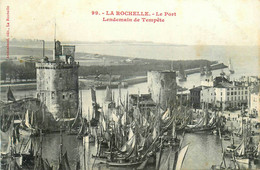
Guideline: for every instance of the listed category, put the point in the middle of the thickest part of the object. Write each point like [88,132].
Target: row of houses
[225,94]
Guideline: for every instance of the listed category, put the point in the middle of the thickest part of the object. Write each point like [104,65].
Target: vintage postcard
[129,84]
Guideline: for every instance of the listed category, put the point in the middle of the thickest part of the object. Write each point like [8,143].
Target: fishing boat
[204,124]
[223,164]
[28,126]
[63,163]
[39,162]
[27,153]
[15,157]
[230,67]
[175,158]
[232,148]
[96,110]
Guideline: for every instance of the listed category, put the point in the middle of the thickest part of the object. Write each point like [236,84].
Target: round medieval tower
[57,82]
[163,87]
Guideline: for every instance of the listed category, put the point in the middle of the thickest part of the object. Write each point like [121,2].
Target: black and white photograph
[129,84]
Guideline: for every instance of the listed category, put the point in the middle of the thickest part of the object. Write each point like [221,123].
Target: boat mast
[222,149]
[54,46]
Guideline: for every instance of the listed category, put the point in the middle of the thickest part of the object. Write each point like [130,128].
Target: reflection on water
[204,151]
[51,148]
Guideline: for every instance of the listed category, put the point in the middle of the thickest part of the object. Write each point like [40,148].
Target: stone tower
[163,87]
[57,82]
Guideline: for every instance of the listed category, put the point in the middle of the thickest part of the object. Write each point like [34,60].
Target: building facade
[231,95]
[254,101]
[208,95]
[195,97]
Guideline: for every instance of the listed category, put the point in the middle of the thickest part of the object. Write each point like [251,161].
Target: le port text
[134,16]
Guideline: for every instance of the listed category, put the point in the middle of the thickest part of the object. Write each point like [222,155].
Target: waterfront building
[225,95]
[163,87]
[57,82]
[222,93]
[231,95]
[183,97]
[254,101]
[195,97]
[208,95]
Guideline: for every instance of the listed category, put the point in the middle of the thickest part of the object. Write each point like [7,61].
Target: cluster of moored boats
[127,134]
[243,148]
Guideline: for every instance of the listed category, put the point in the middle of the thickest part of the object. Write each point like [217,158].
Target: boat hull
[119,164]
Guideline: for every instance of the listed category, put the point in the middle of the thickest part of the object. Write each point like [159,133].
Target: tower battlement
[54,65]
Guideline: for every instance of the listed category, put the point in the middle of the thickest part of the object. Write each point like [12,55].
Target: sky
[197,22]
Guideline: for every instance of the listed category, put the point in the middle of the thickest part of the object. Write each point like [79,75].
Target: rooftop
[198,88]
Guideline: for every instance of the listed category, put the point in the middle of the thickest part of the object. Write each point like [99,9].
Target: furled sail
[27,120]
[166,115]
[28,147]
[108,96]
[129,144]
[93,96]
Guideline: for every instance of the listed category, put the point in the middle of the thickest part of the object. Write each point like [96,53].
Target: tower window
[63,96]
[70,95]
[60,75]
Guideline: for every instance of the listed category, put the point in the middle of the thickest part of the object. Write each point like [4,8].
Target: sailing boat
[10,96]
[203,124]
[12,159]
[83,129]
[39,162]
[230,67]
[174,159]
[182,75]
[96,113]
[27,127]
[27,153]
[181,157]
[63,158]
[78,121]
[242,156]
